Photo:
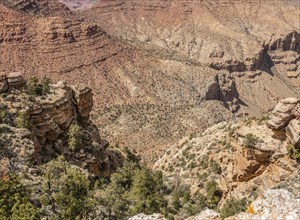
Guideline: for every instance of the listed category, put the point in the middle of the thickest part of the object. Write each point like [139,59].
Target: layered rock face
[185,26]
[286,116]
[39,7]
[157,79]
[49,118]
[249,157]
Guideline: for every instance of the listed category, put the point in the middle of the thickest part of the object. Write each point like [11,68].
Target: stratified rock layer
[158,68]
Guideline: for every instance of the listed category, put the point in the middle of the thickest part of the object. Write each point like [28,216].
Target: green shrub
[14,201]
[250,141]
[36,88]
[214,194]
[23,120]
[204,162]
[75,137]
[66,190]
[294,152]
[3,115]
[215,167]
[233,207]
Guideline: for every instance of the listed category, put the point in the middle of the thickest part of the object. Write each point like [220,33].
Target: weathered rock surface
[244,168]
[147,217]
[39,7]
[154,69]
[293,131]
[282,113]
[15,80]
[273,204]
[49,118]
[78,4]
[207,214]
[3,83]
[83,99]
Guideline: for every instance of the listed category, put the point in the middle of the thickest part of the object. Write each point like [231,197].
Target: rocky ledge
[286,116]
[46,122]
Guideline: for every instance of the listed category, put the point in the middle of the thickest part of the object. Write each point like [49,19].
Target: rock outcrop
[282,113]
[293,131]
[147,217]
[83,99]
[207,214]
[13,80]
[39,7]
[47,119]
[286,116]
[273,204]
[3,83]
[156,79]
[244,157]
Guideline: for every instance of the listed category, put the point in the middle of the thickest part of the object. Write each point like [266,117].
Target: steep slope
[245,157]
[35,129]
[226,34]
[149,94]
[39,7]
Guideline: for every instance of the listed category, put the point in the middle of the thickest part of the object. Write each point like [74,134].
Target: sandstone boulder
[293,131]
[282,113]
[15,80]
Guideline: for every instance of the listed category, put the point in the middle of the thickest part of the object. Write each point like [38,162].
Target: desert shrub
[214,194]
[75,137]
[3,115]
[14,200]
[176,201]
[250,140]
[233,207]
[294,152]
[23,120]
[204,162]
[215,167]
[36,88]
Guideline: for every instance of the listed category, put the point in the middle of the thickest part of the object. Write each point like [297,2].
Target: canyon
[138,60]
[200,90]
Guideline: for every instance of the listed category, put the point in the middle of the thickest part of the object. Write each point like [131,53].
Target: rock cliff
[45,121]
[246,157]
[39,7]
[148,71]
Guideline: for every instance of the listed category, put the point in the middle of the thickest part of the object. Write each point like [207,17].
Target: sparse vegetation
[294,152]
[75,137]
[36,88]
[23,120]
[250,140]
[3,115]
[215,167]
[233,207]
[214,194]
